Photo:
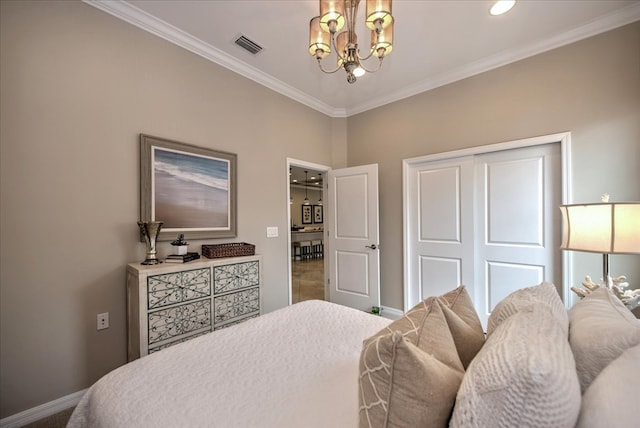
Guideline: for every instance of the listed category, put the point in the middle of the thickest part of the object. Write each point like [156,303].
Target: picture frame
[318,214]
[191,189]
[307,214]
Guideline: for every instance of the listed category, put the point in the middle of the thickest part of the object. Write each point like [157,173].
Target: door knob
[372,246]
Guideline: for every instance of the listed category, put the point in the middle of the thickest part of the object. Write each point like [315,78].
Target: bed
[295,367]
[317,364]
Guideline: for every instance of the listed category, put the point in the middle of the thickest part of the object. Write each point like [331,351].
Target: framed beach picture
[191,189]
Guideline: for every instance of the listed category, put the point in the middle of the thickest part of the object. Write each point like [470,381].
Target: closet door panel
[517,210]
[440,232]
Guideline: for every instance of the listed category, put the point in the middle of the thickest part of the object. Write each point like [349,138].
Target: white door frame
[564,138]
[316,167]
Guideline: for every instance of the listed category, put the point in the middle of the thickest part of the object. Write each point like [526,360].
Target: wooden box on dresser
[169,303]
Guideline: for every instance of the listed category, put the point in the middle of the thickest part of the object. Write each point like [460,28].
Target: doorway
[306,189]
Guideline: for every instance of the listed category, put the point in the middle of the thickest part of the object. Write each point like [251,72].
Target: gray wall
[590,88]
[78,86]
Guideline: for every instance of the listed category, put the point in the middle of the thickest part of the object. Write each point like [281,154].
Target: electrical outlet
[103,321]
[272,232]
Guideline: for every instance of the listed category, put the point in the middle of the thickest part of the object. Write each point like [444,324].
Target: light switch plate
[272,232]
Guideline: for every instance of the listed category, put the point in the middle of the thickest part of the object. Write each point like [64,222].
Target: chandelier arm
[327,71]
[372,70]
[361,58]
[371,51]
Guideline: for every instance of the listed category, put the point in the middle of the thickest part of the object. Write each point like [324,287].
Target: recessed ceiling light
[501,6]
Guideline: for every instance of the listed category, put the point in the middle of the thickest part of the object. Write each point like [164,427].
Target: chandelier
[334,15]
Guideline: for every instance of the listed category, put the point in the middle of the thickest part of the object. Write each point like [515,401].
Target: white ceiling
[435,42]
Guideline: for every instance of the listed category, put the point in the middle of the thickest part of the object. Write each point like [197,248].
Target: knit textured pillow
[524,376]
[544,293]
[463,322]
[410,371]
[601,329]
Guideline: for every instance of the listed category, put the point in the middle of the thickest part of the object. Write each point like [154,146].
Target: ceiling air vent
[247,44]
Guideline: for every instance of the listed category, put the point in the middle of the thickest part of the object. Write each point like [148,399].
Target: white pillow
[544,293]
[523,376]
[601,328]
[612,398]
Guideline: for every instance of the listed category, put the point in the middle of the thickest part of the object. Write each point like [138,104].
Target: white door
[489,221]
[354,258]
[517,217]
[439,228]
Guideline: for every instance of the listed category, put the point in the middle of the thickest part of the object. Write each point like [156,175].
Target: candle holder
[150,230]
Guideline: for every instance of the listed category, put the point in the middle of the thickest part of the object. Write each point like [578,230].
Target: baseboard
[42,411]
[391,313]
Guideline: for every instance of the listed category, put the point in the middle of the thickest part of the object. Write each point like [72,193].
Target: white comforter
[295,367]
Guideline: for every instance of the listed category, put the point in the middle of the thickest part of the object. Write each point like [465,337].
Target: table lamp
[607,228]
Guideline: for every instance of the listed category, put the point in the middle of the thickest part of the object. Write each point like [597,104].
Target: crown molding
[153,25]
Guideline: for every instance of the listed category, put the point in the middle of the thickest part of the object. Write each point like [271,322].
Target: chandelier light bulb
[501,6]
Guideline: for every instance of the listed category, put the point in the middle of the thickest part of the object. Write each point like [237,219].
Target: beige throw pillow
[601,329]
[410,371]
[463,322]
[426,327]
[544,293]
[524,376]
[403,386]
[612,398]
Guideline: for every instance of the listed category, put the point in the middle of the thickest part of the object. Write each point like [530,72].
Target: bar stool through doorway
[306,251]
[317,249]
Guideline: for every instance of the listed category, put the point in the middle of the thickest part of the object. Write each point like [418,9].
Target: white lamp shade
[319,41]
[331,11]
[609,228]
[378,10]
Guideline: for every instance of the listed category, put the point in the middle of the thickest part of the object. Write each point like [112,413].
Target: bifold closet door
[439,228]
[517,222]
[489,221]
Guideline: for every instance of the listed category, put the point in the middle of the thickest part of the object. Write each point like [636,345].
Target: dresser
[169,303]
